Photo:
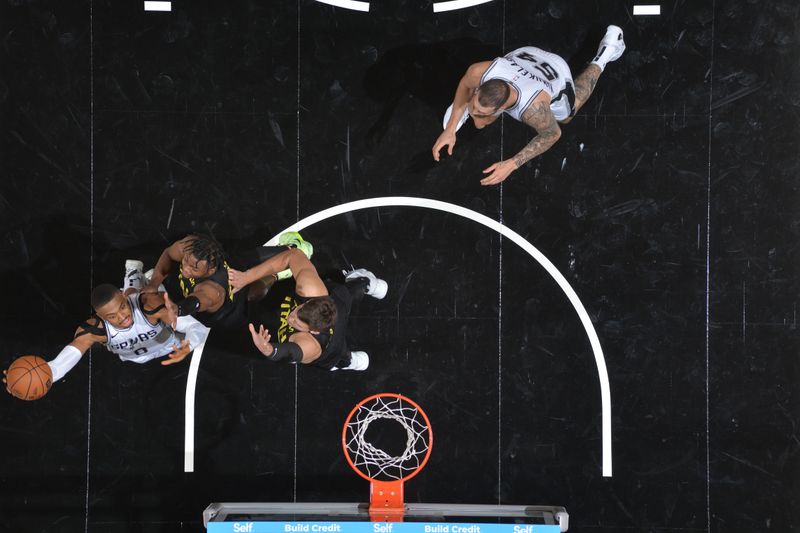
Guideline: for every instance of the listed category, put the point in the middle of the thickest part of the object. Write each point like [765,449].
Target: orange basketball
[29,377]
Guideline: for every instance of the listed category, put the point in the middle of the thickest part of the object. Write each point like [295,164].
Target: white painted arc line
[347,4]
[191,386]
[158,6]
[647,9]
[407,201]
[452,5]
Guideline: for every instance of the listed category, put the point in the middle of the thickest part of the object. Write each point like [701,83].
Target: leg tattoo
[584,85]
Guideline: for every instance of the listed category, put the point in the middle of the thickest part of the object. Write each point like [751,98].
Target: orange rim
[403,399]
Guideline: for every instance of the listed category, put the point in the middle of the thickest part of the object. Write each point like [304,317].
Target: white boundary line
[647,9]
[406,201]
[158,6]
[347,4]
[90,355]
[191,385]
[356,5]
[452,5]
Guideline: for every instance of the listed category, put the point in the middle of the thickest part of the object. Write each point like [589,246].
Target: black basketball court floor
[613,329]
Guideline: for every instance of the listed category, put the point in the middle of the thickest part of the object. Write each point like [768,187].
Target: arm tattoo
[540,118]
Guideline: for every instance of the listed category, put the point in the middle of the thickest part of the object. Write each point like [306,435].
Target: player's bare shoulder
[475,72]
[210,288]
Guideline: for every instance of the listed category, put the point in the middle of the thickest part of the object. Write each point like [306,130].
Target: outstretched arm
[539,117]
[171,255]
[305,275]
[72,352]
[466,88]
[301,348]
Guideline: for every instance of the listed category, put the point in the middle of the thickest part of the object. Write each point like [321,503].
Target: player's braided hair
[206,248]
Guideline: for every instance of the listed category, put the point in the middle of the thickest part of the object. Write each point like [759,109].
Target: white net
[375,462]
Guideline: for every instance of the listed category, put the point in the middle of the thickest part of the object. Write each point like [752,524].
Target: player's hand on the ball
[178,354]
[5,373]
[261,339]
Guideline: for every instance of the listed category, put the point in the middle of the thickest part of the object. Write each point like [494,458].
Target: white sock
[606,53]
[602,57]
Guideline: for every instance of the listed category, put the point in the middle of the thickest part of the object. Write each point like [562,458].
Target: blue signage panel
[375,527]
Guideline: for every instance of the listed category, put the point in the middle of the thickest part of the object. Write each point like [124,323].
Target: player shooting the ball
[138,327]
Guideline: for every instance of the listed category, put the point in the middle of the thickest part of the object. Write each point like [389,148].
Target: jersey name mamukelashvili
[142,341]
[530,71]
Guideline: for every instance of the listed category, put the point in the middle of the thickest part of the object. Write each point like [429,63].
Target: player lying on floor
[530,85]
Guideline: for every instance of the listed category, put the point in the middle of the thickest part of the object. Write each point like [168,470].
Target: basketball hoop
[387,440]
[387,471]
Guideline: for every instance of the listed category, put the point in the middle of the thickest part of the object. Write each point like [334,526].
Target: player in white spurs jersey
[530,85]
[136,339]
[136,327]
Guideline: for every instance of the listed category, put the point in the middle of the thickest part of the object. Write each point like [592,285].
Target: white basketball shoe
[611,47]
[377,288]
[358,361]
[134,279]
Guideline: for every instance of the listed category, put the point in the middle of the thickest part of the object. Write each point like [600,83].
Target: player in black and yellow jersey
[309,324]
[200,285]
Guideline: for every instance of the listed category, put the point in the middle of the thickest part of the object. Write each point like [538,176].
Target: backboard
[356,518]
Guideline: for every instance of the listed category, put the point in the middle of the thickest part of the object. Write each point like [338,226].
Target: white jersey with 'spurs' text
[530,71]
[142,341]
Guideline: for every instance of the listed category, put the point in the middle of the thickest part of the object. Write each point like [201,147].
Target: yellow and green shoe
[295,240]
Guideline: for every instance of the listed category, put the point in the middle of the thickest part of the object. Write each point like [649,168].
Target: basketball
[29,377]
